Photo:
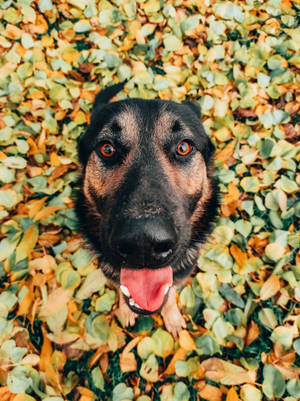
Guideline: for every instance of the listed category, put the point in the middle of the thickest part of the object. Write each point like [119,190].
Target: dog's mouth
[146,290]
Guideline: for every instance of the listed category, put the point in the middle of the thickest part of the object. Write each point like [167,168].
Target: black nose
[147,242]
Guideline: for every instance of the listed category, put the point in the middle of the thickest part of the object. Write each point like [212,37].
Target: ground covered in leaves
[59,336]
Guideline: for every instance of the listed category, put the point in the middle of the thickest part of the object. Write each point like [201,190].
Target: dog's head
[147,199]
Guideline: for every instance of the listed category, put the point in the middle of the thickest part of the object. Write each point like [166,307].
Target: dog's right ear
[104,96]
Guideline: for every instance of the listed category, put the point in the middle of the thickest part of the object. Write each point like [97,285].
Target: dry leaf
[211,393]
[232,395]
[270,288]
[253,333]
[56,300]
[186,341]
[239,256]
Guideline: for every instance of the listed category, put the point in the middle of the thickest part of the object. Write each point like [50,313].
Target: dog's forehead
[144,119]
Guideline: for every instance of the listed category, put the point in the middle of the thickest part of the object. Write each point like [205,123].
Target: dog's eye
[107,150]
[184,148]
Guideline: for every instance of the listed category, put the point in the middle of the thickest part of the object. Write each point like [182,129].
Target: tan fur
[98,179]
[189,181]
[173,319]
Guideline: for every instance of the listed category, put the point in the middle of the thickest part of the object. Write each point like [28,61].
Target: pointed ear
[106,94]
[195,107]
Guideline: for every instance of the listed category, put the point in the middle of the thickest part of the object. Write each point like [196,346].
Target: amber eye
[184,148]
[107,150]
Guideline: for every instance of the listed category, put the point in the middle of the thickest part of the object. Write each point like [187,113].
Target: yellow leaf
[232,395]
[47,211]
[186,341]
[35,206]
[270,288]
[27,243]
[56,300]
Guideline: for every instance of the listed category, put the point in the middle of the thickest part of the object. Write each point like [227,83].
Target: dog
[147,199]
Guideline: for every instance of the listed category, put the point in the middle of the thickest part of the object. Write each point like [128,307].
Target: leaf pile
[59,335]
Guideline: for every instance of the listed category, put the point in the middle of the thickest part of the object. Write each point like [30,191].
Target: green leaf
[228,293]
[296,346]
[206,345]
[18,380]
[171,43]
[267,318]
[122,392]
[273,383]
[163,343]
[244,227]
[293,387]
[98,378]
[45,5]
[8,198]
[149,369]
[250,184]
[181,392]
[146,347]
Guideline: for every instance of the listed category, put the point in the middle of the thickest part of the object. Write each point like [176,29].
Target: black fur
[145,191]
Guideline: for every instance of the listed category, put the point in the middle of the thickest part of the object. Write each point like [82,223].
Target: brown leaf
[253,333]
[291,133]
[227,373]
[245,112]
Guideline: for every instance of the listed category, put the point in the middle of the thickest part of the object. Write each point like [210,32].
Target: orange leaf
[186,341]
[180,355]
[127,359]
[25,304]
[47,211]
[253,333]
[232,395]
[211,393]
[239,256]
[4,393]
[45,363]
[224,154]
[270,288]
[35,206]
[85,391]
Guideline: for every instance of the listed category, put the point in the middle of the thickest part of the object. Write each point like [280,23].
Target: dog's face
[146,199]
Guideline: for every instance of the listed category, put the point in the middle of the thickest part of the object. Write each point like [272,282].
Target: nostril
[163,248]
[126,249]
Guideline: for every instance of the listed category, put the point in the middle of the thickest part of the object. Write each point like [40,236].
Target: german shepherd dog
[147,199]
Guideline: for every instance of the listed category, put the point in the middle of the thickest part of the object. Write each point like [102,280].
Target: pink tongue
[147,286]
